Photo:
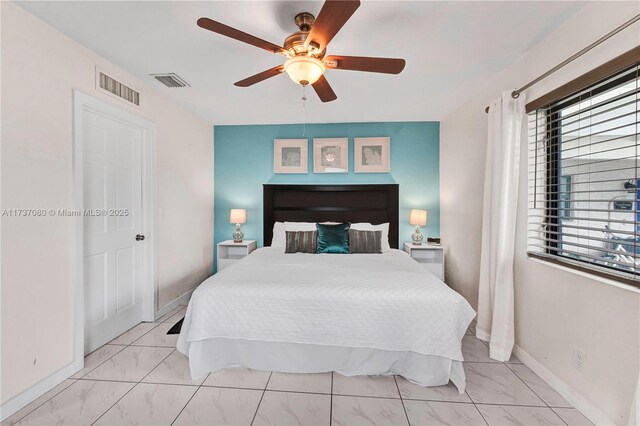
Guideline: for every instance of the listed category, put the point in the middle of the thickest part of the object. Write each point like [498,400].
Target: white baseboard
[29,395]
[181,300]
[590,411]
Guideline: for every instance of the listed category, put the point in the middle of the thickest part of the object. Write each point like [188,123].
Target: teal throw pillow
[333,238]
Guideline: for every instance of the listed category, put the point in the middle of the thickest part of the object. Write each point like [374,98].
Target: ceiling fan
[305,49]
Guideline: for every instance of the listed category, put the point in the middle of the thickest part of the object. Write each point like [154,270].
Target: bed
[355,314]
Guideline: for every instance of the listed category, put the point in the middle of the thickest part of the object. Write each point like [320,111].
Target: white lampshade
[418,217]
[304,69]
[238,216]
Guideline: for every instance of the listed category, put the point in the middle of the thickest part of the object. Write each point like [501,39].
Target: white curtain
[495,298]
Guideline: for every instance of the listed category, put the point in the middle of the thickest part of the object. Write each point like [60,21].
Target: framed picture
[290,156]
[372,155]
[331,155]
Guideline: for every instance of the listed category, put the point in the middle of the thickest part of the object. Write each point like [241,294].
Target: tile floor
[140,379]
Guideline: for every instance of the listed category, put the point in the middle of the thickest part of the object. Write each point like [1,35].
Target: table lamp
[238,216]
[418,218]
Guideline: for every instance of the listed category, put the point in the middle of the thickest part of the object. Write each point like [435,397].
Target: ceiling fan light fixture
[304,69]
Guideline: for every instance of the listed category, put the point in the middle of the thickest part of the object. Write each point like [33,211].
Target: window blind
[584,178]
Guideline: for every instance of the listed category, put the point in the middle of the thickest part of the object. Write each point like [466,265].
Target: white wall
[40,67]
[555,310]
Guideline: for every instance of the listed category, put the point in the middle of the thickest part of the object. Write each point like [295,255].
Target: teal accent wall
[243,162]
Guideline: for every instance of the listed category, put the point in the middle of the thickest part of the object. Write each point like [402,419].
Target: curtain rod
[517,92]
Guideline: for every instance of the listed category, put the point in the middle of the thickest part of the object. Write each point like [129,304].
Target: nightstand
[431,257]
[230,252]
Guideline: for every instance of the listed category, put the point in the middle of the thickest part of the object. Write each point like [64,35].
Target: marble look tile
[220,406]
[511,360]
[169,314]
[15,417]
[497,384]
[158,337]
[173,370]
[539,386]
[506,415]
[447,392]
[316,383]
[572,417]
[130,364]
[474,350]
[96,358]
[148,404]
[352,410]
[177,316]
[128,337]
[286,408]
[381,386]
[429,413]
[238,378]
[79,404]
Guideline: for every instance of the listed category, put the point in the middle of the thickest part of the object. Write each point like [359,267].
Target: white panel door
[113,250]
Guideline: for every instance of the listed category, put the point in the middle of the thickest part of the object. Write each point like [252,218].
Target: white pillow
[384,227]
[305,226]
[279,236]
[300,226]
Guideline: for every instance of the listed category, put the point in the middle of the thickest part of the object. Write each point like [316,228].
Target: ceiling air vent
[170,80]
[118,89]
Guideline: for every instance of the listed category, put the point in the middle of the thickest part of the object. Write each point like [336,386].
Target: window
[584,180]
[564,197]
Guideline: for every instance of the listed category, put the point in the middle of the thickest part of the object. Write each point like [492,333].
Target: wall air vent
[115,88]
[170,80]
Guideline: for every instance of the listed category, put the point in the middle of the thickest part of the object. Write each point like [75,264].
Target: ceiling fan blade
[272,72]
[324,90]
[225,30]
[333,15]
[363,63]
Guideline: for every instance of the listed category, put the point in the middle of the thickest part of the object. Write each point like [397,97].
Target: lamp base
[417,237]
[238,235]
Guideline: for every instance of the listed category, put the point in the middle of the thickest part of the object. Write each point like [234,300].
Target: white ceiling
[451,49]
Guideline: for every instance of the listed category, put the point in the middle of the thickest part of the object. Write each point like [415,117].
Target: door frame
[81,103]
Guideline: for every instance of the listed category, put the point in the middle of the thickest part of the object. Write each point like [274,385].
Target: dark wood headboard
[331,203]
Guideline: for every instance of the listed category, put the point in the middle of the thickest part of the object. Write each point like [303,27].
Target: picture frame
[331,155]
[290,156]
[372,155]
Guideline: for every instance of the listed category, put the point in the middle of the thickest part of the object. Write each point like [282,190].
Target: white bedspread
[385,301]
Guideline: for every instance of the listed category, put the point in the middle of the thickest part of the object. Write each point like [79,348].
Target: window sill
[594,277]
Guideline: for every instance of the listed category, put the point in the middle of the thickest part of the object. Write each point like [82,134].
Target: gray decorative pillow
[301,241]
[365,241]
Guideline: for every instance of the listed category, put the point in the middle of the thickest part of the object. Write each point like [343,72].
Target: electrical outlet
[579,360]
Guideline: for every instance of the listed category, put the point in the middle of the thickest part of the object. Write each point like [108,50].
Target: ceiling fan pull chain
[304,115]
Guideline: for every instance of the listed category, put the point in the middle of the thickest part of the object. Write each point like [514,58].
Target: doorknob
[139,237]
